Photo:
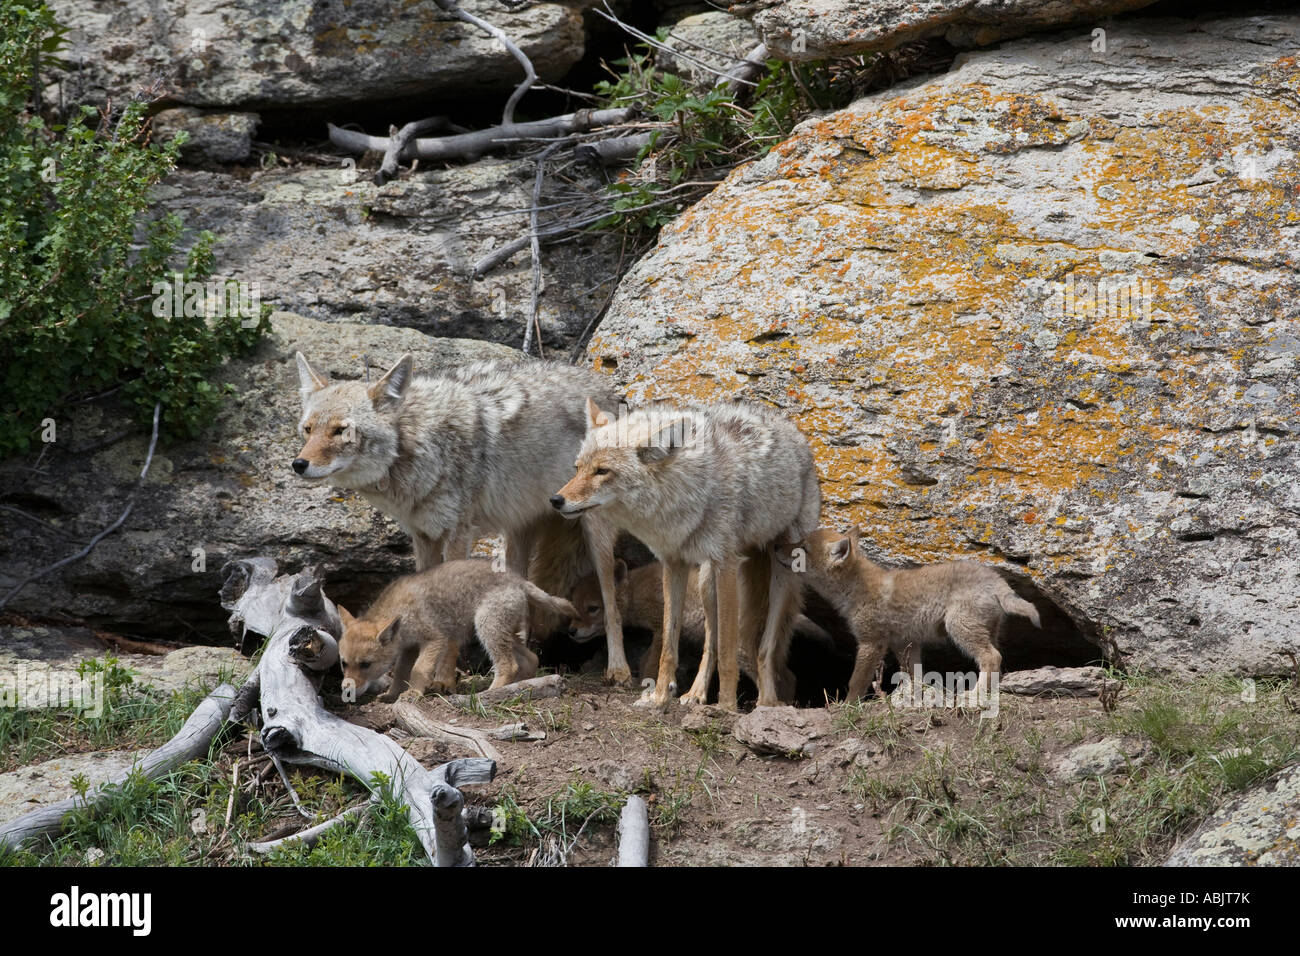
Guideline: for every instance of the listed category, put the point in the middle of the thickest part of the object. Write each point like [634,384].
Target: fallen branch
[191,741]
[530,75]
[153,442]
[296,729]
[414,719]
[614,151]
[470,146]
[535,688]
[746,72]
[309,836]
[634,833]
[397,142]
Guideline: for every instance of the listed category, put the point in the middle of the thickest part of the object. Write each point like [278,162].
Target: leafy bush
[78,293]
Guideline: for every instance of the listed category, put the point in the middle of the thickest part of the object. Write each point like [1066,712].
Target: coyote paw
[618,675]
[694,698]
[652,697]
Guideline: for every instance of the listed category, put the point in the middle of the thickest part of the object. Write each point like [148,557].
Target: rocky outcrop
[250,54]
[815,29]
[1039,311]
[331,244]
[213,137]
[230,494]
[1259,828]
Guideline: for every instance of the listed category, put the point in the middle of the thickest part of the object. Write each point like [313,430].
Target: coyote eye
[339,430]
[602,471]
[593,608]
[365,665]
[306,429]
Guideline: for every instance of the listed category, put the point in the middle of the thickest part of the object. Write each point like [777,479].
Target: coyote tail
[1014,604]
[548,602]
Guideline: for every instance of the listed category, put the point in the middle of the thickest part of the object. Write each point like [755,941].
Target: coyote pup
[704,486]
[420,622]
[905,610]
[478,447]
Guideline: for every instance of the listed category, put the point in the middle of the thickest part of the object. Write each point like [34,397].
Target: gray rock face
[711,43]
[248,54]
[38,667]
[813,29]
[1098,759]
[787,731]
[1025,315]
[331,244]
[213,137]
[230,494]
[1259,828]
[30,788]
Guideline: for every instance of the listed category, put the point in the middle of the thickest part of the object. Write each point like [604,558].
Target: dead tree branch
[470,146]
[297,729]
[530,75]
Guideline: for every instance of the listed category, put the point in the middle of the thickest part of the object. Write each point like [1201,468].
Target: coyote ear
[620,571]
[309,380]
[389,631]
[841,550]
[595,417]
[392,387]
[854,532]
[344,616]
[665,440]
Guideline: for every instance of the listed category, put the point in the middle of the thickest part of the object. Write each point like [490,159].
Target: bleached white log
[535,688]
[297,729]
[634,833]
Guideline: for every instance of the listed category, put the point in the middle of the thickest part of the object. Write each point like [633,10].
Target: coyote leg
[401,674]
[519,548]
[428,551]
[675,574]
[600,545]
[727,591]
[975,637]
[431,673]
[776,632]
[869,656]
[699,692]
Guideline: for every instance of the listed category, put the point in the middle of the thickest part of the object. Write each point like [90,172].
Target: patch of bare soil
[878,785]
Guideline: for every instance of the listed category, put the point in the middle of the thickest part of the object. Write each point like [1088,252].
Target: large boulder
[1261,827]
[330,244]
[229,494]
[248,54]
[915,281]
[815,29]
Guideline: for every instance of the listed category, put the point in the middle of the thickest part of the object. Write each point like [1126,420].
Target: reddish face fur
[367,650]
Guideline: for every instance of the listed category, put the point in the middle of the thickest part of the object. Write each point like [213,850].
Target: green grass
[990,800]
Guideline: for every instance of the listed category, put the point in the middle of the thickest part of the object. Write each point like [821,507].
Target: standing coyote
[480,447]
[905,610]
[704,486]
[418,625]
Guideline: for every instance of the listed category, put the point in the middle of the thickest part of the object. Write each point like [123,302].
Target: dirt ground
[713,801]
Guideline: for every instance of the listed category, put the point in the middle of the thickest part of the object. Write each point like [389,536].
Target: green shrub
[80,266]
